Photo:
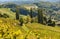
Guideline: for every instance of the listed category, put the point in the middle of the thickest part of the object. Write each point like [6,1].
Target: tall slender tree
[17,13]
[40,16]
[31,14]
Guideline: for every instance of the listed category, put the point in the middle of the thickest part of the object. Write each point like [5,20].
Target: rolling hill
[10,29]
[8,12]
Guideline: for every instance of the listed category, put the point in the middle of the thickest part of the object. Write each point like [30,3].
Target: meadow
[10,29]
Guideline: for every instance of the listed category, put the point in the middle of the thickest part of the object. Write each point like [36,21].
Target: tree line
[40,17]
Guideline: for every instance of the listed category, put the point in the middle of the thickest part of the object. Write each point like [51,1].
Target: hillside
[51,8]
[8,12]
[10,29]
[17,22]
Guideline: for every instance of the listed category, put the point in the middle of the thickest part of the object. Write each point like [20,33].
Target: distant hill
[24,8]
[51,7]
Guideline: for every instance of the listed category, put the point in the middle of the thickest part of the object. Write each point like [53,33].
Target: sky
[30,0]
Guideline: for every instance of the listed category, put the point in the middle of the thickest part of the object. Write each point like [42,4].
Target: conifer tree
[21,21]
[50,22]
[40,16]
[31,14]
[17,13]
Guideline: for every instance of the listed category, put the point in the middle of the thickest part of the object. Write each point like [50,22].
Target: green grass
[11,14]
[8,12]
[29,30]
[46,32]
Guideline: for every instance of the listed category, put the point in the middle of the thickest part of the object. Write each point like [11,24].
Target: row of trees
[40,17]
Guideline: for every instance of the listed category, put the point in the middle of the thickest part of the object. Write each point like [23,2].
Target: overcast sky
[30,0]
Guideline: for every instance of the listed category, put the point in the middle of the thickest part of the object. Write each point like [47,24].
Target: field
[11,29]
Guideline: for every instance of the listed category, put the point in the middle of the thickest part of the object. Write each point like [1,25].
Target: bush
[5,16]
[1,15]
[51,23]
[21,21]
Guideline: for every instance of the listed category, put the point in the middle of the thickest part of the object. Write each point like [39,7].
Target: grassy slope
[12,28]
[8,12]
[46,32]
[30,31]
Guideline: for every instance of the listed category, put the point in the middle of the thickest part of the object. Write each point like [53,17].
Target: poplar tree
[31,14]
[17,13]
[40,16]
